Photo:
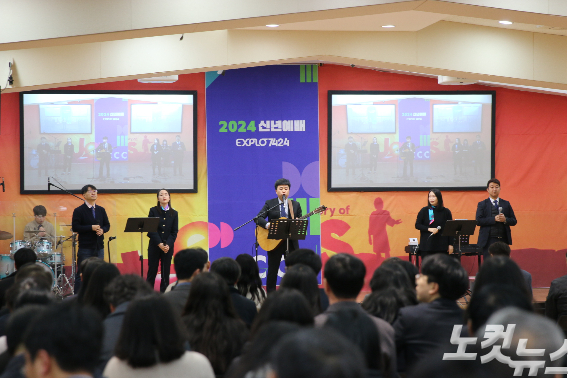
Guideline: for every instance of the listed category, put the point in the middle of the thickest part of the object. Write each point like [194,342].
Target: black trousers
[408,163]
[104,162]
[155,256]
[274,259]
[178,164]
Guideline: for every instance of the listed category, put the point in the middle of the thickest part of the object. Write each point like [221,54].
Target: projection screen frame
[329,157]
[194,166]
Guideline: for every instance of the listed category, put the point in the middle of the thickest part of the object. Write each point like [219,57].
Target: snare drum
[6,265]
[47,269]
[43,249]
[15,245]
[55,258]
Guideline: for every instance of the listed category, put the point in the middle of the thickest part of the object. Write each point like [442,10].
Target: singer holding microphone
[90,222]
[430,221]
[161,246]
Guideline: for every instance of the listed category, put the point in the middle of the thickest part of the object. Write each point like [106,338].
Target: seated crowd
[216,320]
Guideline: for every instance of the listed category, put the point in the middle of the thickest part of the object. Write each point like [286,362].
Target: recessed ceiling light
[504,22]
[272,25]
[388,26]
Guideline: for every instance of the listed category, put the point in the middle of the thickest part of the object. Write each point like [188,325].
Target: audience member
[391,276]
[555,306]
[21,257]
[386,303]
[286,305]
[489,300]
[503,249]
[63,341]
[94,291]
[313,260]
[250,284]
[361,331]
[303,278]
[344,276]
[88,266]
[214,328]
[230,271]
[156,351]
[410,269]
[256,358]
[422,328]
[316,353]
[188,263]
[501,270]
[118,294]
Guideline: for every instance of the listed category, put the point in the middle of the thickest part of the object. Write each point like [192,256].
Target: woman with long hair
[151,344]
[161,245]
[213,326]
[94,293]
[430,221]
[250,284]
[303,278]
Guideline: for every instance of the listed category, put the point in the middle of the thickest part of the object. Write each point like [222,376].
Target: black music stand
[142,225]
[295,229]
[457,228]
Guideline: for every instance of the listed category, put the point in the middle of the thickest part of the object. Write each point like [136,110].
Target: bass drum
[48,269]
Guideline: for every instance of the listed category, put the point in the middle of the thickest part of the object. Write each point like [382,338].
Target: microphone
[48,185]
[283,197]
[439,228]
[111,238]
[500,210]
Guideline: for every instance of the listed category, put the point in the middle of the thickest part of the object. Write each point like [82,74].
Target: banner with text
[262,125]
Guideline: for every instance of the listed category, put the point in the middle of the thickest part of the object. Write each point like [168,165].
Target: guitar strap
[290,208]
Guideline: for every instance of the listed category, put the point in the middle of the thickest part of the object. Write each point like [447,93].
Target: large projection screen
[429,140]
[131,121]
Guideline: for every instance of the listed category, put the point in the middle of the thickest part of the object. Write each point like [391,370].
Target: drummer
[40,224]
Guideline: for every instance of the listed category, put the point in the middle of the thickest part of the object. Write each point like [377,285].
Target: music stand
[142,225]
[295,229]
[456,228]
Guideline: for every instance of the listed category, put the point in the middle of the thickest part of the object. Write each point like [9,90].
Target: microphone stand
[255,219]
[108,246]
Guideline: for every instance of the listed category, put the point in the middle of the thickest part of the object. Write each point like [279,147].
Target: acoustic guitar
[270,244]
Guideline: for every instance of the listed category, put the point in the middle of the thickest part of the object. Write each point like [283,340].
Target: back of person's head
[448,273]
[18,323]
[500,249]
[386,303]
[250,281]
[30,277]
[390,276]
[141,345]
[87,267]
[284,304]
[227,268]
[187,261]
[258,352]
[35,275]
[24,256]
[304,256]
[125,288]
[303,278]
[358,328]
[94,293]
[345,275]
[501,270]
[491,298]
[68,334]
[410,268]
[209,299]
[34,296]
[535,331]
[317,353]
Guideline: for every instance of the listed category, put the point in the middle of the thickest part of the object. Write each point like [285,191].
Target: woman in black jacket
[161,246]
[431,221]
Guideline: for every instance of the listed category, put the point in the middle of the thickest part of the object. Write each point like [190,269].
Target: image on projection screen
[409,140]
[118,141]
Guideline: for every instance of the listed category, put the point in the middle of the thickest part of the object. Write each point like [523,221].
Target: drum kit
[48,257]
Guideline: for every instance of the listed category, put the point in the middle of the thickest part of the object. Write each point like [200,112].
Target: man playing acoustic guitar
[287,209]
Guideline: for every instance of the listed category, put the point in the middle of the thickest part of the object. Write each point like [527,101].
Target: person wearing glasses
[39,228]
[90,222]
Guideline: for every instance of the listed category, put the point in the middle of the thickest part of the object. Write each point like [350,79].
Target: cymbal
[33,231]
[4,235]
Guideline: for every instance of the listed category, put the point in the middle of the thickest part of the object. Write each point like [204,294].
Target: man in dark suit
[178,149]
[90,222]
[284,210]
[118,294]
[230,270]
[21,257]
[104,151]
[351,150]
[43,151]
[407,153]
[478,148]
[428,326]
[494,216]
[188,263]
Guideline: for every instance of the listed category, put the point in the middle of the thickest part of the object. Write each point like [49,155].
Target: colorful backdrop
[530,162]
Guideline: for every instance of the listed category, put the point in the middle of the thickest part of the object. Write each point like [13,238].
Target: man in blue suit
[494,216]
